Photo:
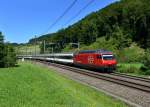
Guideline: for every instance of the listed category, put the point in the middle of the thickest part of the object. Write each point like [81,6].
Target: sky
[21,20]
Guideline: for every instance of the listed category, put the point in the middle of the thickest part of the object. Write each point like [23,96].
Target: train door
[98,58]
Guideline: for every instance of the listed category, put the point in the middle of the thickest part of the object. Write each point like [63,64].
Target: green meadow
[30,85]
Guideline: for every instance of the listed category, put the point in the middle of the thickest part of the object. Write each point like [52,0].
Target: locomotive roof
[94,51]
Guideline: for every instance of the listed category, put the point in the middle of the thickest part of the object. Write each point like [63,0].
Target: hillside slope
[122,27]
[125,22]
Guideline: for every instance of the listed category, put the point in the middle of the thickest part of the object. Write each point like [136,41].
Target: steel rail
[132,77]
[107,77]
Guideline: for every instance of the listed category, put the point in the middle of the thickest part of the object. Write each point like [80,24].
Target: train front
[108,61]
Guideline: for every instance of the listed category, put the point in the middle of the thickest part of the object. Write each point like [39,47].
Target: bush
[102,43]
[128,68]
[146,72]
[147,59]
[146,68]
[7,54]
[132,54]
[134,68]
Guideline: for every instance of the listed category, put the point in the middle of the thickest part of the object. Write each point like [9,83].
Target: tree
[146,68]
[1,50]
[7,53]
[147,59]
[122,40]
[1,38]
[125,21]
[9,56]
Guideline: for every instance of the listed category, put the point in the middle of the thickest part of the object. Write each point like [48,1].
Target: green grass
[131,69]
[35,86]
[128,65]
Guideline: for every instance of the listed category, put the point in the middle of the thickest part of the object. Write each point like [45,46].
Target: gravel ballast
[131,96]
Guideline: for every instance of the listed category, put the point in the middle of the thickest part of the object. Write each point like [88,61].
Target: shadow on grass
[14,66]
[17,65]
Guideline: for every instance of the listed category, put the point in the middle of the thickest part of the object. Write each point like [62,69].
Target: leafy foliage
[7,54]
[147,58]
[146,67]
[125,21]
[122,27]
[1,50]
[132,68]
[102,43]
[132,54]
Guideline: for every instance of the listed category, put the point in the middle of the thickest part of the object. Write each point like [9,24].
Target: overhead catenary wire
[60,17]
[69,8]
[79,12]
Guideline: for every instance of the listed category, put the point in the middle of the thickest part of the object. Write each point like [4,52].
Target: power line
[79,12]
[61,16]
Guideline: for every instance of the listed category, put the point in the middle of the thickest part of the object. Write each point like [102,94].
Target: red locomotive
[97,59]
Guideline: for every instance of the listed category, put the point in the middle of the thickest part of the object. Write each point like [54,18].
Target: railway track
[138,83]
[132,77]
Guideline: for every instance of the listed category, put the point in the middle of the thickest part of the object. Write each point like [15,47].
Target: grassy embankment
[131,69]
[34,86]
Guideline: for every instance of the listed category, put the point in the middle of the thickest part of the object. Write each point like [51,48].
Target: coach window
[68,57]
[64,57]
[51,57]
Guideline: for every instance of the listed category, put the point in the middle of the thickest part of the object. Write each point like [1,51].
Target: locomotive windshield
[108,57]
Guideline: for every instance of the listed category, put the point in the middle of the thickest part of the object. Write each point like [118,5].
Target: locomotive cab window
[108,57]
